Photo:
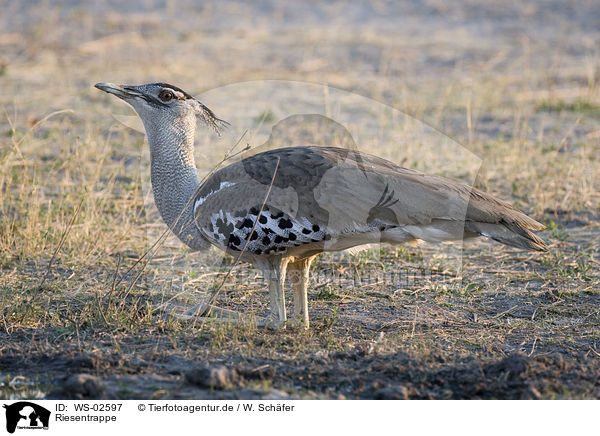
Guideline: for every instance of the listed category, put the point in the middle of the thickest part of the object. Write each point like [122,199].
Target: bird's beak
[121,91]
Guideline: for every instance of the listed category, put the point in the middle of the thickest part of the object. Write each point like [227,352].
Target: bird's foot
[271,322]
[298,322]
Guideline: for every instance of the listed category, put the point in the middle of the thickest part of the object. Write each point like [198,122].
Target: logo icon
[26,415]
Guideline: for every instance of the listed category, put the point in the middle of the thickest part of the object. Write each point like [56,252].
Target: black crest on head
[207,115]
[211,119]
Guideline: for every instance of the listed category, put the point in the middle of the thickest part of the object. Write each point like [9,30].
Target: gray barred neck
[175,178]
[172,142]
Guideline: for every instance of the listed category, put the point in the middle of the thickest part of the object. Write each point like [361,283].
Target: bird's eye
[166,95]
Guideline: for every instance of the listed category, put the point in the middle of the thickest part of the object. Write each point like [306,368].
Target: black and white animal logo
[26,415]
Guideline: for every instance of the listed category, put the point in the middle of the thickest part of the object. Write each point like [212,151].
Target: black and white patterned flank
[275,231]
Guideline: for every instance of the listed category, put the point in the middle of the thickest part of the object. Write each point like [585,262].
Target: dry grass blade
[60,244]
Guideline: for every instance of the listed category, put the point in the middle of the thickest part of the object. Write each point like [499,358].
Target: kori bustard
[280,208]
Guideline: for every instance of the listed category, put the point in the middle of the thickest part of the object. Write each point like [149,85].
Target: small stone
[83,361]
[392,393]
[212,377]
[82,387]
[275,394]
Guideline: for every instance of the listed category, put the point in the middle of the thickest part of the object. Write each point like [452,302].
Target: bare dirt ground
[517,85]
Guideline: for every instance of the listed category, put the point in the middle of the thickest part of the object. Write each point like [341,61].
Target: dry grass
[527,107]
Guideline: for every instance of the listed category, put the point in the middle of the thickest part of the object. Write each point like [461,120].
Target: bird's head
[162,102]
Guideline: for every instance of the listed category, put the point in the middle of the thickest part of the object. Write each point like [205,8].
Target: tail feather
[500,221]
[512,234]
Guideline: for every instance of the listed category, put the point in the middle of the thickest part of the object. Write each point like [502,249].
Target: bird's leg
[298,274]
[275,275]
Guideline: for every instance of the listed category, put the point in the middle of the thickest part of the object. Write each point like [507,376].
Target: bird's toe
[297,322]
[272,323]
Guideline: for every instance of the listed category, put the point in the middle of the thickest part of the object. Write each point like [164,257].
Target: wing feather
[349,193]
